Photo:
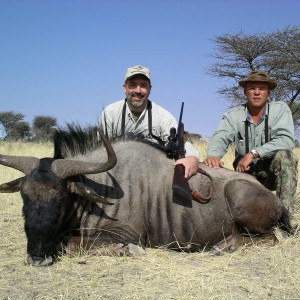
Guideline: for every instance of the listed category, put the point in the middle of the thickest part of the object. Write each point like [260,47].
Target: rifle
[175,149]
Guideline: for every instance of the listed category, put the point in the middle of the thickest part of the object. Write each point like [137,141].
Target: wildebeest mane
[74,139]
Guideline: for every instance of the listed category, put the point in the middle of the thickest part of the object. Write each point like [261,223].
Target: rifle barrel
[181,112]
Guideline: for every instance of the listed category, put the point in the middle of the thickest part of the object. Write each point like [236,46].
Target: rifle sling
[149,110]
[198,197]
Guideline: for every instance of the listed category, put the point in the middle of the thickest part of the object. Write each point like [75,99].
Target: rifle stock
[182,193]
[180,184]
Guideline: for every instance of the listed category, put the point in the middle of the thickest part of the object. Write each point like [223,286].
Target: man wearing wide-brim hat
[263,136]
[257,76]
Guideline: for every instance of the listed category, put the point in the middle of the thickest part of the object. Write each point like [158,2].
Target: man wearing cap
[263,136]
[137,116]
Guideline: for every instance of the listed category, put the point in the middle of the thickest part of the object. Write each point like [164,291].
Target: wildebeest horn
[61,167]
[22,163]
[65,168]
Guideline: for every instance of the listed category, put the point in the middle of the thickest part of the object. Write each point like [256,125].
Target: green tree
[277,53]
[21,131]
[9,121]
[43,128]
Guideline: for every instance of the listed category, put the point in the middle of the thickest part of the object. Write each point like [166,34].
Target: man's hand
[190,164]
[244,163]
[213,162]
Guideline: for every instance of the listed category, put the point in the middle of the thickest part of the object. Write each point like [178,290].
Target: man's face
[257,94]
[137,90]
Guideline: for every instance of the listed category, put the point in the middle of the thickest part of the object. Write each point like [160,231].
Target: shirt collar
[130,114]
[248,117]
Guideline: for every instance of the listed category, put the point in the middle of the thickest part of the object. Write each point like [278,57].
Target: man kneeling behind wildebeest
[93,201]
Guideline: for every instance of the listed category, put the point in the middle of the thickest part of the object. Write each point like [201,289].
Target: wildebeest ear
[12,186]
[86,192]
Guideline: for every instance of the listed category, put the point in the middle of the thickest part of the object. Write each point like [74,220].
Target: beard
[137,103]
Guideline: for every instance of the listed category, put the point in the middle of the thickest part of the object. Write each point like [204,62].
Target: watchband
[254,153]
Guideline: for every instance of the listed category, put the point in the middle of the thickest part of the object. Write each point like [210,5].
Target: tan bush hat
[258,76]
[137,70]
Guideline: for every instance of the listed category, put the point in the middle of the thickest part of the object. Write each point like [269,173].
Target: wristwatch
[254,153]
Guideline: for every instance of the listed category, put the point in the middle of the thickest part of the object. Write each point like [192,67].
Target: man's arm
[219,142]
[110,119]
[190,150]
[105,124]
[190,164]
[213,162]
[282,130]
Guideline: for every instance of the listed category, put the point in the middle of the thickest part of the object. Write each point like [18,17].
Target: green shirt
[232,130]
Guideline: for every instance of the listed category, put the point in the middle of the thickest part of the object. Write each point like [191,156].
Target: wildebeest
[92,201]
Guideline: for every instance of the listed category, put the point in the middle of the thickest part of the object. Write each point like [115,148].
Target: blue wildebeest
[90,201]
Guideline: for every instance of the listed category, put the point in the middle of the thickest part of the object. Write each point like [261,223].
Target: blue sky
[67,59]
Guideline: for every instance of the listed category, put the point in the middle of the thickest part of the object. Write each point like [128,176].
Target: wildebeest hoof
[216,251]
[40,261]
[231,249]
[131,250]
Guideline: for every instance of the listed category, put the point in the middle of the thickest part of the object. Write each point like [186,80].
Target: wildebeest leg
[81,245]
[112,242]
[234,241]
[254,210]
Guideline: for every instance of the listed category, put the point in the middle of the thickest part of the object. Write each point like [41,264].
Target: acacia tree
[277,53]
[43,128]
[21,132]
[13,125]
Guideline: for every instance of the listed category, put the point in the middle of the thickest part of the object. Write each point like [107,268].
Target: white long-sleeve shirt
[162,122]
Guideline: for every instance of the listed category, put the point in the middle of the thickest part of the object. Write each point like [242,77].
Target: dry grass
[256,272]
